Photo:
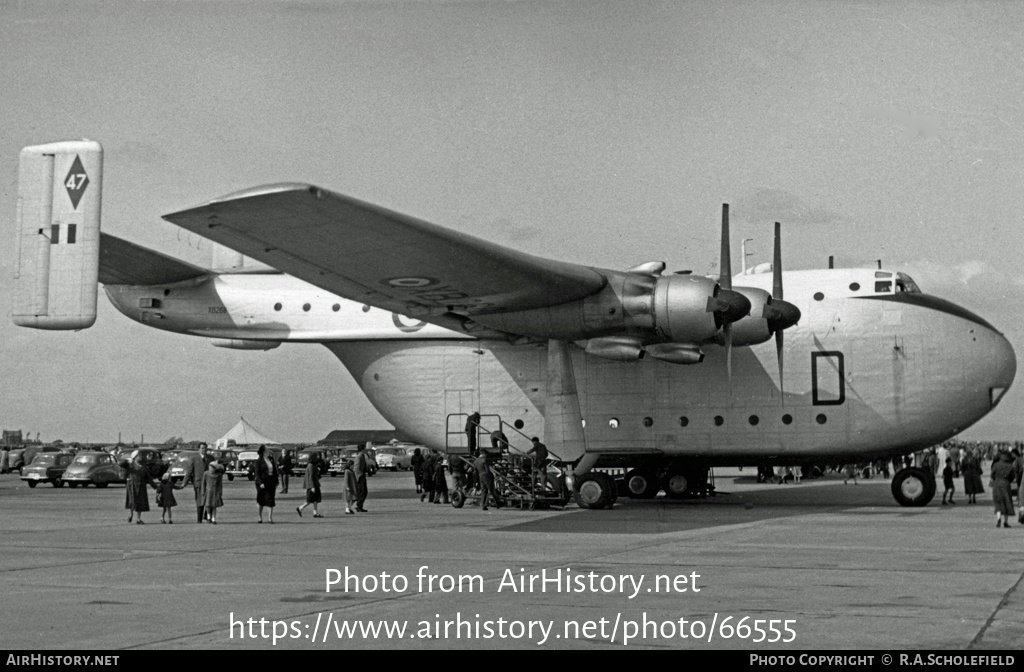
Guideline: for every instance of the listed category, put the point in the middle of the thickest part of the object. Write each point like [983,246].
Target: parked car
[47,468]
[152,459]
[244,465]
[180,464]
[225,456]
[19,458]
[95,467]
[302,457]
[394,458]
[338,463]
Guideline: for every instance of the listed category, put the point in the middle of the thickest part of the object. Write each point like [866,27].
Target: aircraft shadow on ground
[661,515]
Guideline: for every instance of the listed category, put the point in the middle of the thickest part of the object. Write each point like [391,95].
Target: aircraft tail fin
[58,235]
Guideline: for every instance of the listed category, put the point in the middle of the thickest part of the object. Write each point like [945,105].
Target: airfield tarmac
[844,564]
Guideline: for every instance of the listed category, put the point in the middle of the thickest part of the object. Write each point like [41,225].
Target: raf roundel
[76,182]
[409,282]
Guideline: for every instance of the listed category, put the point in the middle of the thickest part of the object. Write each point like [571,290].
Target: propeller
[780,314]
[725,282]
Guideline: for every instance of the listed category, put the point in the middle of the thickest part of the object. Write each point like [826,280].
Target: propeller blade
[725,261]
[778,355]
[777,265]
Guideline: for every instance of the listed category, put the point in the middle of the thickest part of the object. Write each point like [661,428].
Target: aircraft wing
[125,263]
[383,258]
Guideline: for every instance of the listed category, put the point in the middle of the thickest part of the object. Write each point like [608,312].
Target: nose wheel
[913,487]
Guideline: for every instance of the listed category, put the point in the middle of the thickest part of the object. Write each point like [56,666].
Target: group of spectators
[205,474]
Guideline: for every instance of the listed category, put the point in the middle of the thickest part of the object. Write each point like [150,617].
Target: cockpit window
[904,283]
[883,286]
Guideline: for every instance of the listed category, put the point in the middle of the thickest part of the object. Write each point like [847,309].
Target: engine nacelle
[753,328]
[684,308]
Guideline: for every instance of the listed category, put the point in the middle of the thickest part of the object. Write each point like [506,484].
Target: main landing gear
[913,487]
[595,490]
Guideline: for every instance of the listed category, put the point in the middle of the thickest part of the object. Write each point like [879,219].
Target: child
[351,487]
[165,497]
[947,482]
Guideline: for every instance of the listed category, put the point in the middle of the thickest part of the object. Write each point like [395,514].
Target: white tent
[243,434]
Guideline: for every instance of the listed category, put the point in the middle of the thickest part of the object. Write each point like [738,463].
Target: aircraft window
[683,421]
[277,306]
[882,274]
[72,228]
[719,421]
[54,234]
[754,420]
[648,422]
[366,309]
[818,296]
[883,286]
[519,424]
[305,307]
[336,307]
[614,423]
[904,283]
[821,419]
[854,286]
[787,419]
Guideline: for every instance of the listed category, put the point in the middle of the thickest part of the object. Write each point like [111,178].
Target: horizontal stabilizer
[125,263]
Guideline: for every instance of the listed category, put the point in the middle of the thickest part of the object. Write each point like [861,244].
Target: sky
[603,133]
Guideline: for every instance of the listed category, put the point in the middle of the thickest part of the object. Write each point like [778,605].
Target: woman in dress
[136,498]
[971,470]
[1002,472]
[213,489]
[267,477]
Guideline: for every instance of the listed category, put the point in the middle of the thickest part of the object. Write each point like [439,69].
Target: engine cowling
[753,328]
[692,308]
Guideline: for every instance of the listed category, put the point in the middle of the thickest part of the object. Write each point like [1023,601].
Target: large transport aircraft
[661,375]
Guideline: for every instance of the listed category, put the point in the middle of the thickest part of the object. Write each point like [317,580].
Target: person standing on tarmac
[427,468]
[483,469]
[472,427]
[440,481]
[194,474]
[416,464]
[285,470]
[361,470]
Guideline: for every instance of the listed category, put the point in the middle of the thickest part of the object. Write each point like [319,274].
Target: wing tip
[251,192]
[266,189]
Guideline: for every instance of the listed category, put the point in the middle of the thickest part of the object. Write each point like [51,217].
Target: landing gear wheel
[58,483]
[231,477]
[913,487]
[72,484]
[102,485]
[458,499]
[641,484]
[595,491]
[676,486]
[32,484]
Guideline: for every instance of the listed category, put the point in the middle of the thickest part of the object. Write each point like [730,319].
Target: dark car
[338,464]
[179,466]
[303,456]
[151,458]
[95,467]
[226,457]
[47,468]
